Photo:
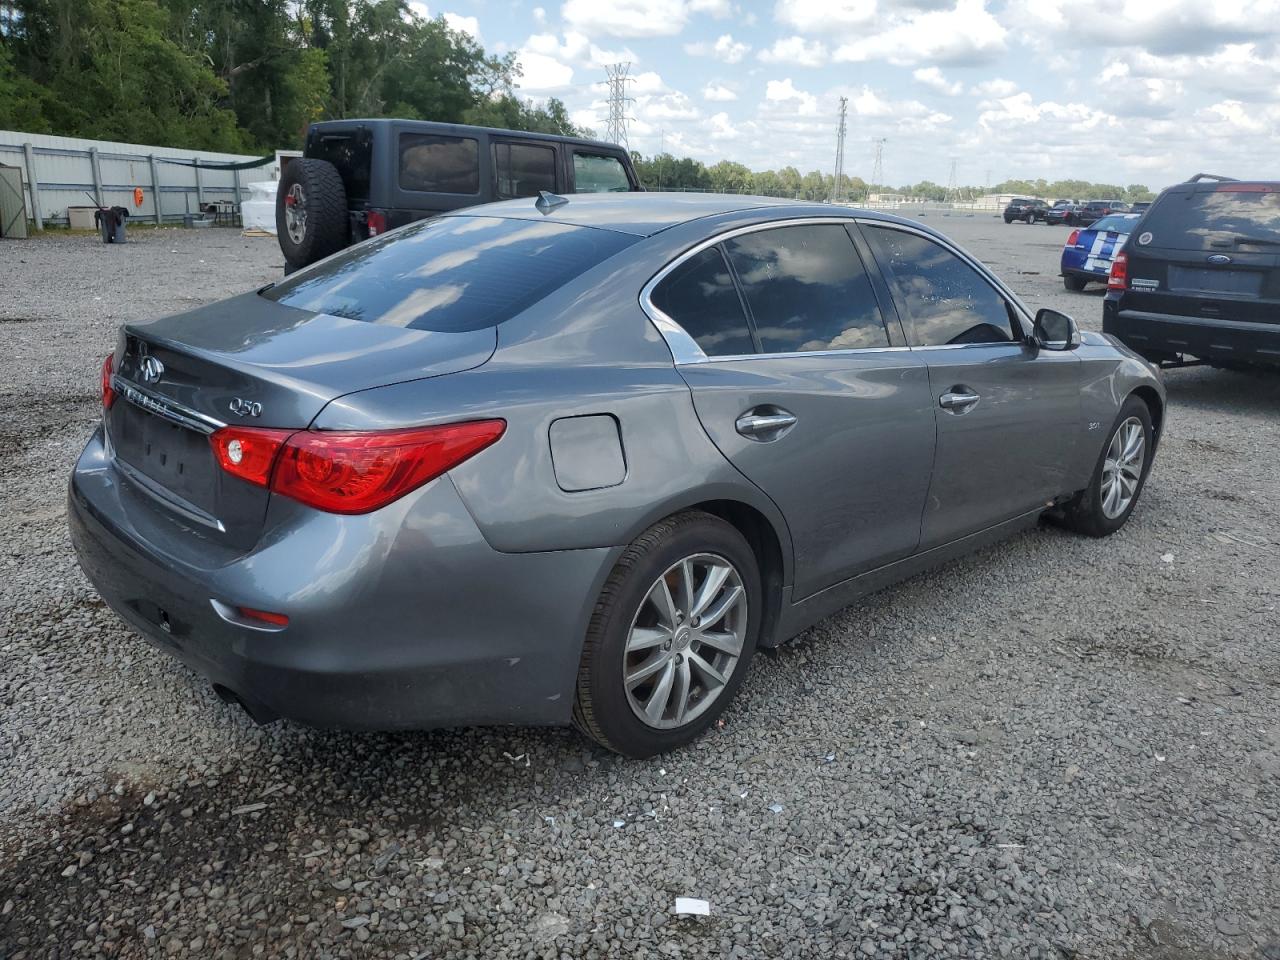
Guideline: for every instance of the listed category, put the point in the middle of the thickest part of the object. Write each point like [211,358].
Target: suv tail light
[348,472]
[1071,240]
[1118,279]
[376,222]
[108,392]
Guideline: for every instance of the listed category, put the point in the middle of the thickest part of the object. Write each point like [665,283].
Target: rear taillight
[345,472]
[108,391]
[377,222]
[1071,240]
[1118,279]
[248,452]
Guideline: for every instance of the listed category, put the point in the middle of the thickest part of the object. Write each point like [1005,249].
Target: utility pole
[616,129]
[877,168]
[840,131]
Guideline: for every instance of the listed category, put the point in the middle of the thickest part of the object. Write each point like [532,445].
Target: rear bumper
[401,619]
[1159,336]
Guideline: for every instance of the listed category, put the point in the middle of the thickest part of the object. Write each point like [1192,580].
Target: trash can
[110,221]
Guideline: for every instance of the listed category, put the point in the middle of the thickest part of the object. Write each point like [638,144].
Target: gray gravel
[1056,748]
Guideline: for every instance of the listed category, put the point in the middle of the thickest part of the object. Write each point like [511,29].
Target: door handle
[958,400]
[765,423]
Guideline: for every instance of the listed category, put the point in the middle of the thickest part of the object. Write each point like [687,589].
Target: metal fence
[62,172]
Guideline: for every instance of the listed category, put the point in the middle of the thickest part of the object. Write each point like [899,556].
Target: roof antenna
[547,202]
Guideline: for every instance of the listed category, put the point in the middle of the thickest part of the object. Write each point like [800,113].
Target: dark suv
[1200,276]
[1086,213]
[359,178]
[1028,210]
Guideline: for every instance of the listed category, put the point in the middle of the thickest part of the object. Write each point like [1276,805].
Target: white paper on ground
[692,906]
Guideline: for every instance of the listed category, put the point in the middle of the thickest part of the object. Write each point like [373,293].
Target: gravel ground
[1056,748]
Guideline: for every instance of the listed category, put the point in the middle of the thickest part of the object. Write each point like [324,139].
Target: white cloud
[539,15]
[669,106]
[966,35]
[784,91]
[825,16]
[467,25]
[722,128]
[797,50]
[627,18]
[932,78]
[718,93]
[648,82]
[995,87]
[1166,27]
[542,74]
[720,9]
[725,48]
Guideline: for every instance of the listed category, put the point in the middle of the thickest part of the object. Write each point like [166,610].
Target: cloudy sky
[1130,91]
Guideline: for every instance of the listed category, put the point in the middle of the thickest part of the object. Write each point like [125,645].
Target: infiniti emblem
[151,369]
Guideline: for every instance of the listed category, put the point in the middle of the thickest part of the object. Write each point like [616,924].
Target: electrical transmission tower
[840,131]
[877,168]
[616,129]
[952,191]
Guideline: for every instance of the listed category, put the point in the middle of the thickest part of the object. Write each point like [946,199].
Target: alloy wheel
[1122,467]
[685,641]
[295,213]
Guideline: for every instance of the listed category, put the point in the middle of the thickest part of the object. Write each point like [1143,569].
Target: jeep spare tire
[311,212]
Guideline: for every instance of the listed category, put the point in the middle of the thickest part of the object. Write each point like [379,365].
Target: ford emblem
[1219,258]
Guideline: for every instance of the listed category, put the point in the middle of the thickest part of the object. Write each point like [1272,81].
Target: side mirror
[1055,330]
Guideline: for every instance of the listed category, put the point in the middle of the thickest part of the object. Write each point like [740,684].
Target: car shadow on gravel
[1224,391]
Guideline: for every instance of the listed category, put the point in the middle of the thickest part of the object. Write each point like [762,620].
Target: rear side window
[947,301]
[807,289]
[1230,215]
[436,164]
[450,274]
[522,169]
[593,173]
[700,296]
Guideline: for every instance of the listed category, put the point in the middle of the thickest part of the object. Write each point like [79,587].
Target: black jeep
[1200,276]
[360,178]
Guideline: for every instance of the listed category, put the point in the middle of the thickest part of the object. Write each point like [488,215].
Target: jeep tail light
[377,222]
[349,472]
[108,391]
[1118,279]
[1071,240]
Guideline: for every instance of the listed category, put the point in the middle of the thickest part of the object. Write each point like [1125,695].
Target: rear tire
[1096,511]
[634,633]
[1075,284]
[311,212]
[1031,218]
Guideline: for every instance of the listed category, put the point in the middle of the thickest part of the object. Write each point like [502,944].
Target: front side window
[522,169]
[436,164]
[947,301]
[450,274]
[807,289]
[701,297]
[593,173]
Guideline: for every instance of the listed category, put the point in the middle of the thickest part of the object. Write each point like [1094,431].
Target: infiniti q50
[575,461]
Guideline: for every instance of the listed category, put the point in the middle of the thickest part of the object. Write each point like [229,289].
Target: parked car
[1086,213]
[1142,206]
[1090,250]
[1200,280]
[360,178]
[1028,211]
[1061,212]
[578,460]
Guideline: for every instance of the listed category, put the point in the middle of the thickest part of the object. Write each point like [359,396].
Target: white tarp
[259,211]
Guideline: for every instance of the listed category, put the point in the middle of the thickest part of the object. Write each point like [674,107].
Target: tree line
[667,172]
[241,76]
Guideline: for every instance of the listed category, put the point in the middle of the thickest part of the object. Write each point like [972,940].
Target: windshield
[449,274]
[1192,221]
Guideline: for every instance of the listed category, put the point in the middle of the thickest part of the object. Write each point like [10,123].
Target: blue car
[1089,251]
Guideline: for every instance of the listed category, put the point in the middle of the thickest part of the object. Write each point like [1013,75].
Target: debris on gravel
[1056,748]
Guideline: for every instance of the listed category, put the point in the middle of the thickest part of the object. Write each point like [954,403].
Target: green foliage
[241,75]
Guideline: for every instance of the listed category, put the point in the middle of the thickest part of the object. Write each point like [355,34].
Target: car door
[800,384]
[1007,415]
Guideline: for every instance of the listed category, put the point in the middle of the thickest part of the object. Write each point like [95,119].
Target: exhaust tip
[257,712]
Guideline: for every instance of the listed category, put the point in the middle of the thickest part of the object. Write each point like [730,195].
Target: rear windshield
[1193,220]
[351,151]
[450,274]
[1120,223]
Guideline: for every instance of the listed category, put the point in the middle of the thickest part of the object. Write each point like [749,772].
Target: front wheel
[671,636]
[1105,505]
[1031,218]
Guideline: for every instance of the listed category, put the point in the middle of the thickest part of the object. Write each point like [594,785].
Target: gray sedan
[575,461]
